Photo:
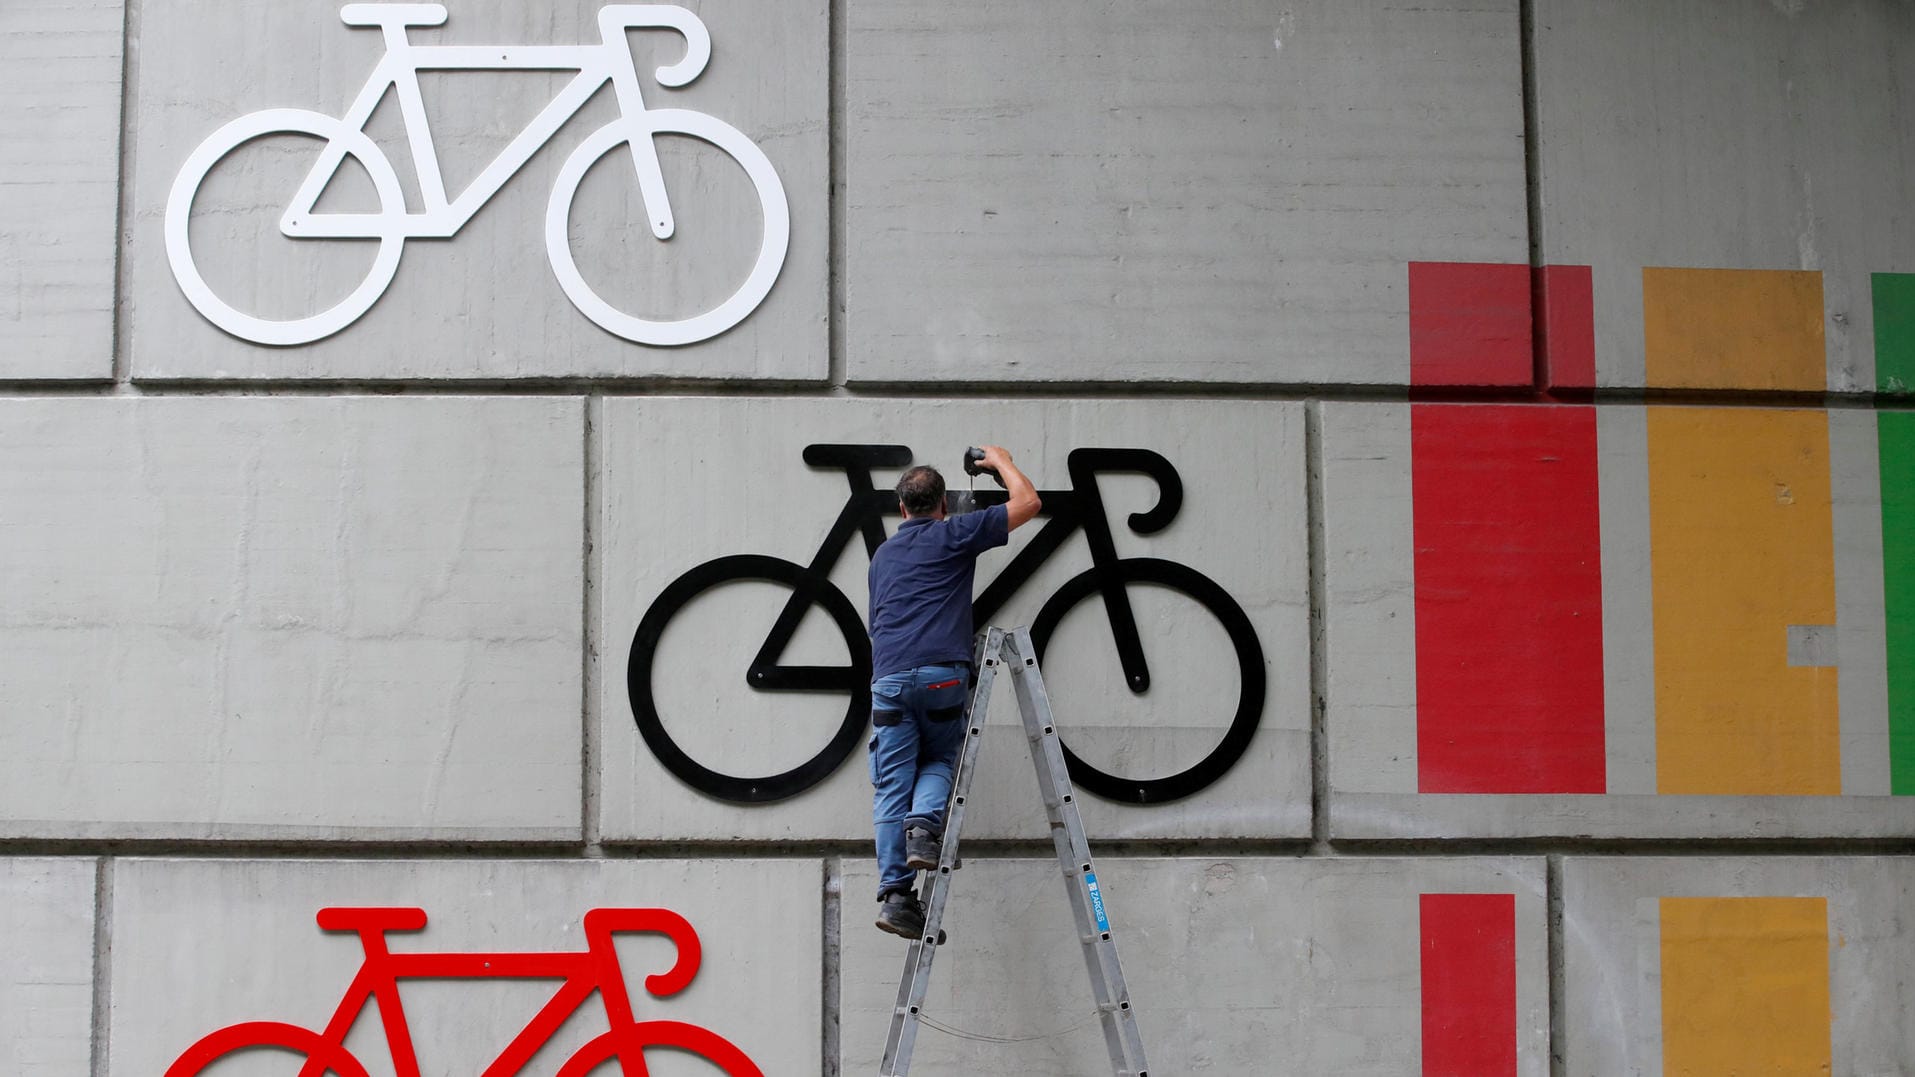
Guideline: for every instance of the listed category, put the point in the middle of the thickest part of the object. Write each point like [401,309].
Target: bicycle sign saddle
[608,61]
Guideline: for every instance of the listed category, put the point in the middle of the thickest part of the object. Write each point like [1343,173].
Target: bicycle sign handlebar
[607,62]
[583,972]
[1109,578]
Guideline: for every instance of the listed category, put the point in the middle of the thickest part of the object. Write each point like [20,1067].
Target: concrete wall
[1528,381]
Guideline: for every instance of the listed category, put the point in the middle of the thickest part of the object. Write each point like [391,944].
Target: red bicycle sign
[585,971]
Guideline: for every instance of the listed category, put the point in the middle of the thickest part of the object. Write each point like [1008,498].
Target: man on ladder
[921,651]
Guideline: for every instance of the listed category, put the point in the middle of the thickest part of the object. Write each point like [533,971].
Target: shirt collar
[917,521]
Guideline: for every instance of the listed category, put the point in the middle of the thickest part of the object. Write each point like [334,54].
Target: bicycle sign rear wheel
[671,1035]
[386,227]
[854,679]
[330,1057]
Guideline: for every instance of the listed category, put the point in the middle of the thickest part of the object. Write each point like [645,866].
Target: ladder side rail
[897,1043]
[1052,786]
[937,885]
[1116,1014]
[1073,861]
[915,981]
[989,660]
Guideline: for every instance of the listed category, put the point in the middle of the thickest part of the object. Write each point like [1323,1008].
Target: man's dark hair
[921,490]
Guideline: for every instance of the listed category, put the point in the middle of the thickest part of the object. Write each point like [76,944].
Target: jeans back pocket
[944,697]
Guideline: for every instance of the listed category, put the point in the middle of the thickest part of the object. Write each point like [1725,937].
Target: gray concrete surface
[200,945]
[1723,135]
[1369,615]
[687,480]
[261,618]
[1611,938]
[46,966]
[484,303]
[60,174]
[1224,191]
[1237,966]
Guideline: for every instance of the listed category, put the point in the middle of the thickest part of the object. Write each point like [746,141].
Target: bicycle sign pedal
[593,970]
[1017,651]
[609,61]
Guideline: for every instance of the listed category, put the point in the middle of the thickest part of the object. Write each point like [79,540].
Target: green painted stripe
[1896,431]
[1894,332]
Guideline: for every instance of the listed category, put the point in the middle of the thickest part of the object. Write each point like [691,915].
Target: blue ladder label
[1096,901]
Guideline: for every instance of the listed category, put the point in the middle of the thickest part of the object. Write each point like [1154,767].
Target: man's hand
[996,459]
[1024,504]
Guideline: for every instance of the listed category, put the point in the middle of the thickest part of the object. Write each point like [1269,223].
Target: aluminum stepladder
[996,649]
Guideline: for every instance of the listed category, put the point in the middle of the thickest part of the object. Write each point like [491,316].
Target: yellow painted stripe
[1745,987]
[1733,329]
[1742,547]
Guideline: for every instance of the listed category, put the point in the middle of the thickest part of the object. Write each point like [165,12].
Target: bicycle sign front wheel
[1150,571]
[775,216]
[632,1040]
[854,678]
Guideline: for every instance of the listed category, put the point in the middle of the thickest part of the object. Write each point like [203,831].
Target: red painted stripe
[1469,985]
[1509,692]
[1566,304]
[1470,324]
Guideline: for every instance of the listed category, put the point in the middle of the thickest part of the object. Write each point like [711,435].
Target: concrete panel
[1369,612]
[46,966]
[1225,191]
[1378,695]
[1231,964]
[684,481]
[60,122]
[1727,136]
[1629,664]
[202,945]
[1623,1014]
[290,618]
[1860,644]
[484,303]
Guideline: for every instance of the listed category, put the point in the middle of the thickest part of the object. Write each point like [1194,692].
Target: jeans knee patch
[946,714]
[886,717]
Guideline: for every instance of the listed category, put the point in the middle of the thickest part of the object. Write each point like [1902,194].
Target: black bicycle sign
[1110,578]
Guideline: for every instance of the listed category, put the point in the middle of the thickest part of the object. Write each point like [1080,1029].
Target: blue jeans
[917,720]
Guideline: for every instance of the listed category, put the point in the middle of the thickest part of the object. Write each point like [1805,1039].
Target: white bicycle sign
[608,61]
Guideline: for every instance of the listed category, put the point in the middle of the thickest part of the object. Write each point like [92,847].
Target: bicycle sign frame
[1068,511]
[594,969]
[609,61]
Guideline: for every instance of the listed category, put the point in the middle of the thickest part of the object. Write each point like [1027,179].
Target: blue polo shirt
[921,582]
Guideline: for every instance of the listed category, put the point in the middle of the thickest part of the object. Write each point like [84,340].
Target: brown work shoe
[901,915]
[921,848]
